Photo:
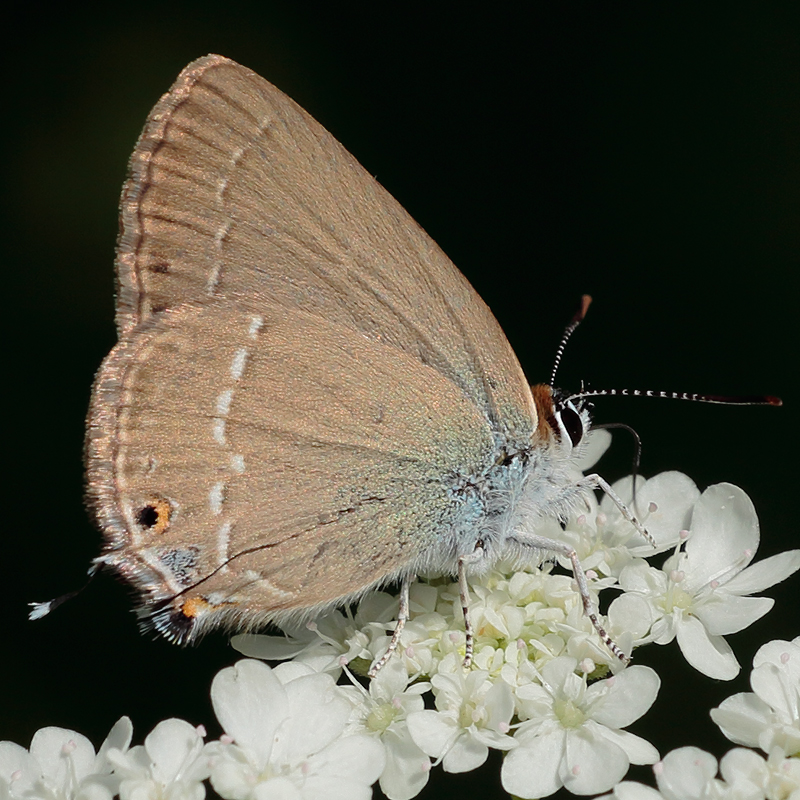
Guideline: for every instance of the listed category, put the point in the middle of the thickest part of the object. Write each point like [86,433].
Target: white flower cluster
[767,718]
[542,687]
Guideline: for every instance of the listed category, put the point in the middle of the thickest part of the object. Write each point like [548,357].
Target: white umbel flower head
[169,766]
[769,716]
[62,765]
[573,735]
[473,713]
[382,712]
[287,740]
[606,542]
[702,592]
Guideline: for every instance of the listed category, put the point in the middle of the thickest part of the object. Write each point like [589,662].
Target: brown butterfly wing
[250,467]
[236,192]
[305,386]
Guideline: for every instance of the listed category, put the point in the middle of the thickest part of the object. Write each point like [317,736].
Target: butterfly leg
[402,618]
[596,482]
[463,591]
[589,608]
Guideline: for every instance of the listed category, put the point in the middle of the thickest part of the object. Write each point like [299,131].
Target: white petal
[777,689]
[742,717]
[685,773]
[631,613]
[591,764]
[250,704]
[118,737]
[728,613]
[640,577]
[390,682]
[631,790]
[783,654]
[738,767]
[494,739]
[765,573]
[274,789]
[14,758]
[638,750]
[334,789]
[102,787]
[531,770]
[60,751]
[499,702]
[618,701]
[345,769]
[560,674]
[465,755]
[724,536]
[319,712]
[710,655]
[231,775]
[290,671]
[172,746]
[268,648]
[673,494]
[407,768]
[432,731]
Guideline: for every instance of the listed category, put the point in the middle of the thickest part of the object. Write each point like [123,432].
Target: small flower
[472,714]
[768,717]
[689,773]
[573,735]
[62,765]
[168,766]
[748,774]
[606,542]
[382,713]
[334,639]
[286,740]
[701,593]
[631,790]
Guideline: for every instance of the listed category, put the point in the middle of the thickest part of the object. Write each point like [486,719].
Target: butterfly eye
[571,422]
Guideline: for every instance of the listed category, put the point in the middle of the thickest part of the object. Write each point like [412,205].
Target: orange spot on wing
[194,606]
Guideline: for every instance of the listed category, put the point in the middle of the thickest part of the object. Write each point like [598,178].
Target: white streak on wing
[256,577]
[237,463]
[218,430]
[255,326]
[237,365]
[216,497]
[224,402]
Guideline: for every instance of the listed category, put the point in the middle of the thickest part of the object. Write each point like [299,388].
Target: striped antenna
[733,400]
[576,320]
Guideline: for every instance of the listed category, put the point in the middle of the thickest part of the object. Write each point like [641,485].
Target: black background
[648,156]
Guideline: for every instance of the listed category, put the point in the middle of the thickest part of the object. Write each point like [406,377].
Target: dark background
[648,156]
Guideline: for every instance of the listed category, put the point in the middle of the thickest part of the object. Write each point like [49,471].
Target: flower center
[677,598]
[381,717]
[568,714]
[471,714]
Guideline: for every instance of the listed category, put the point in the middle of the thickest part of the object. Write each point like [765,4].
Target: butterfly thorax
[523,485]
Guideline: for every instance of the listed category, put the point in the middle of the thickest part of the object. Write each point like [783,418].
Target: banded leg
[402,618]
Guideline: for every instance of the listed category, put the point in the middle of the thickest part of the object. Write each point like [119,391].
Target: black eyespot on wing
[155,515]
[573,424]
[147,516]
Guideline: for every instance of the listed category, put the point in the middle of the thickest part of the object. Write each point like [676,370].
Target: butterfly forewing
[237,193]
